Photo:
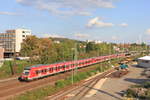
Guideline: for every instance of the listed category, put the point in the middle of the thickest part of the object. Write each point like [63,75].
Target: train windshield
[26,72]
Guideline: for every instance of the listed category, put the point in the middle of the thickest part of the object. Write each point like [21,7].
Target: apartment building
[1,53]
[12,39]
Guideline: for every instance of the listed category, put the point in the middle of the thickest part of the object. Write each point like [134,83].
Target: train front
[25,75]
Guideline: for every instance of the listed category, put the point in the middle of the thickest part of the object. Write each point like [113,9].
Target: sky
[119,21]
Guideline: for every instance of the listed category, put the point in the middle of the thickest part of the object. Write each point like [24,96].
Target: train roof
[64,62]
[28,68]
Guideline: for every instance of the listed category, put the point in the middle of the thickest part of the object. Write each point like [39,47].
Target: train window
[26,73]
[45,70]
[50,69]
[42,71]
[37,72]
[146,61]
[59,67]
[67,65]
[63,66]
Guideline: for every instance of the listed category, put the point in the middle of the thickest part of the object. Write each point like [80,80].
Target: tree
[29,46]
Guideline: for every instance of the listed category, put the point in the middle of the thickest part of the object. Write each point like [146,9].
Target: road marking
[96,87]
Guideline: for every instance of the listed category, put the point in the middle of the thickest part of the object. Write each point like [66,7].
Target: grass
[40,93]
[5,70]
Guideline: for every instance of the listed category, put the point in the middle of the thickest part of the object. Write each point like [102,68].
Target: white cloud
[68,7]
[97,22]
[53,35]
[124,24]
[79,35]
[9,13]
[148,31]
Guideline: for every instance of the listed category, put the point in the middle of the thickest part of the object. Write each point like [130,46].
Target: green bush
[40,93]
[130,93]
[60,83]
[5,70]
[134,94]
[146,85]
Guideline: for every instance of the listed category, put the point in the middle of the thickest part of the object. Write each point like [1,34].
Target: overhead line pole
[76,56]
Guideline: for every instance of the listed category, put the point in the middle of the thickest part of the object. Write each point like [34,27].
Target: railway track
[82,88]
[13,87]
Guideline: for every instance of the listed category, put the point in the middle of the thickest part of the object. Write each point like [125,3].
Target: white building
[95,41]
[144,61]
[12,39]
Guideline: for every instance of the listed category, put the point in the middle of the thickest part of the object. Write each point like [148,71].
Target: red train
[39,71]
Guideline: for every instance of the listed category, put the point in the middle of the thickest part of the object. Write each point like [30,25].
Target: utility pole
[110,54]
[100,64]
[11,68]
[14,58]
[72,76]
[75,56]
